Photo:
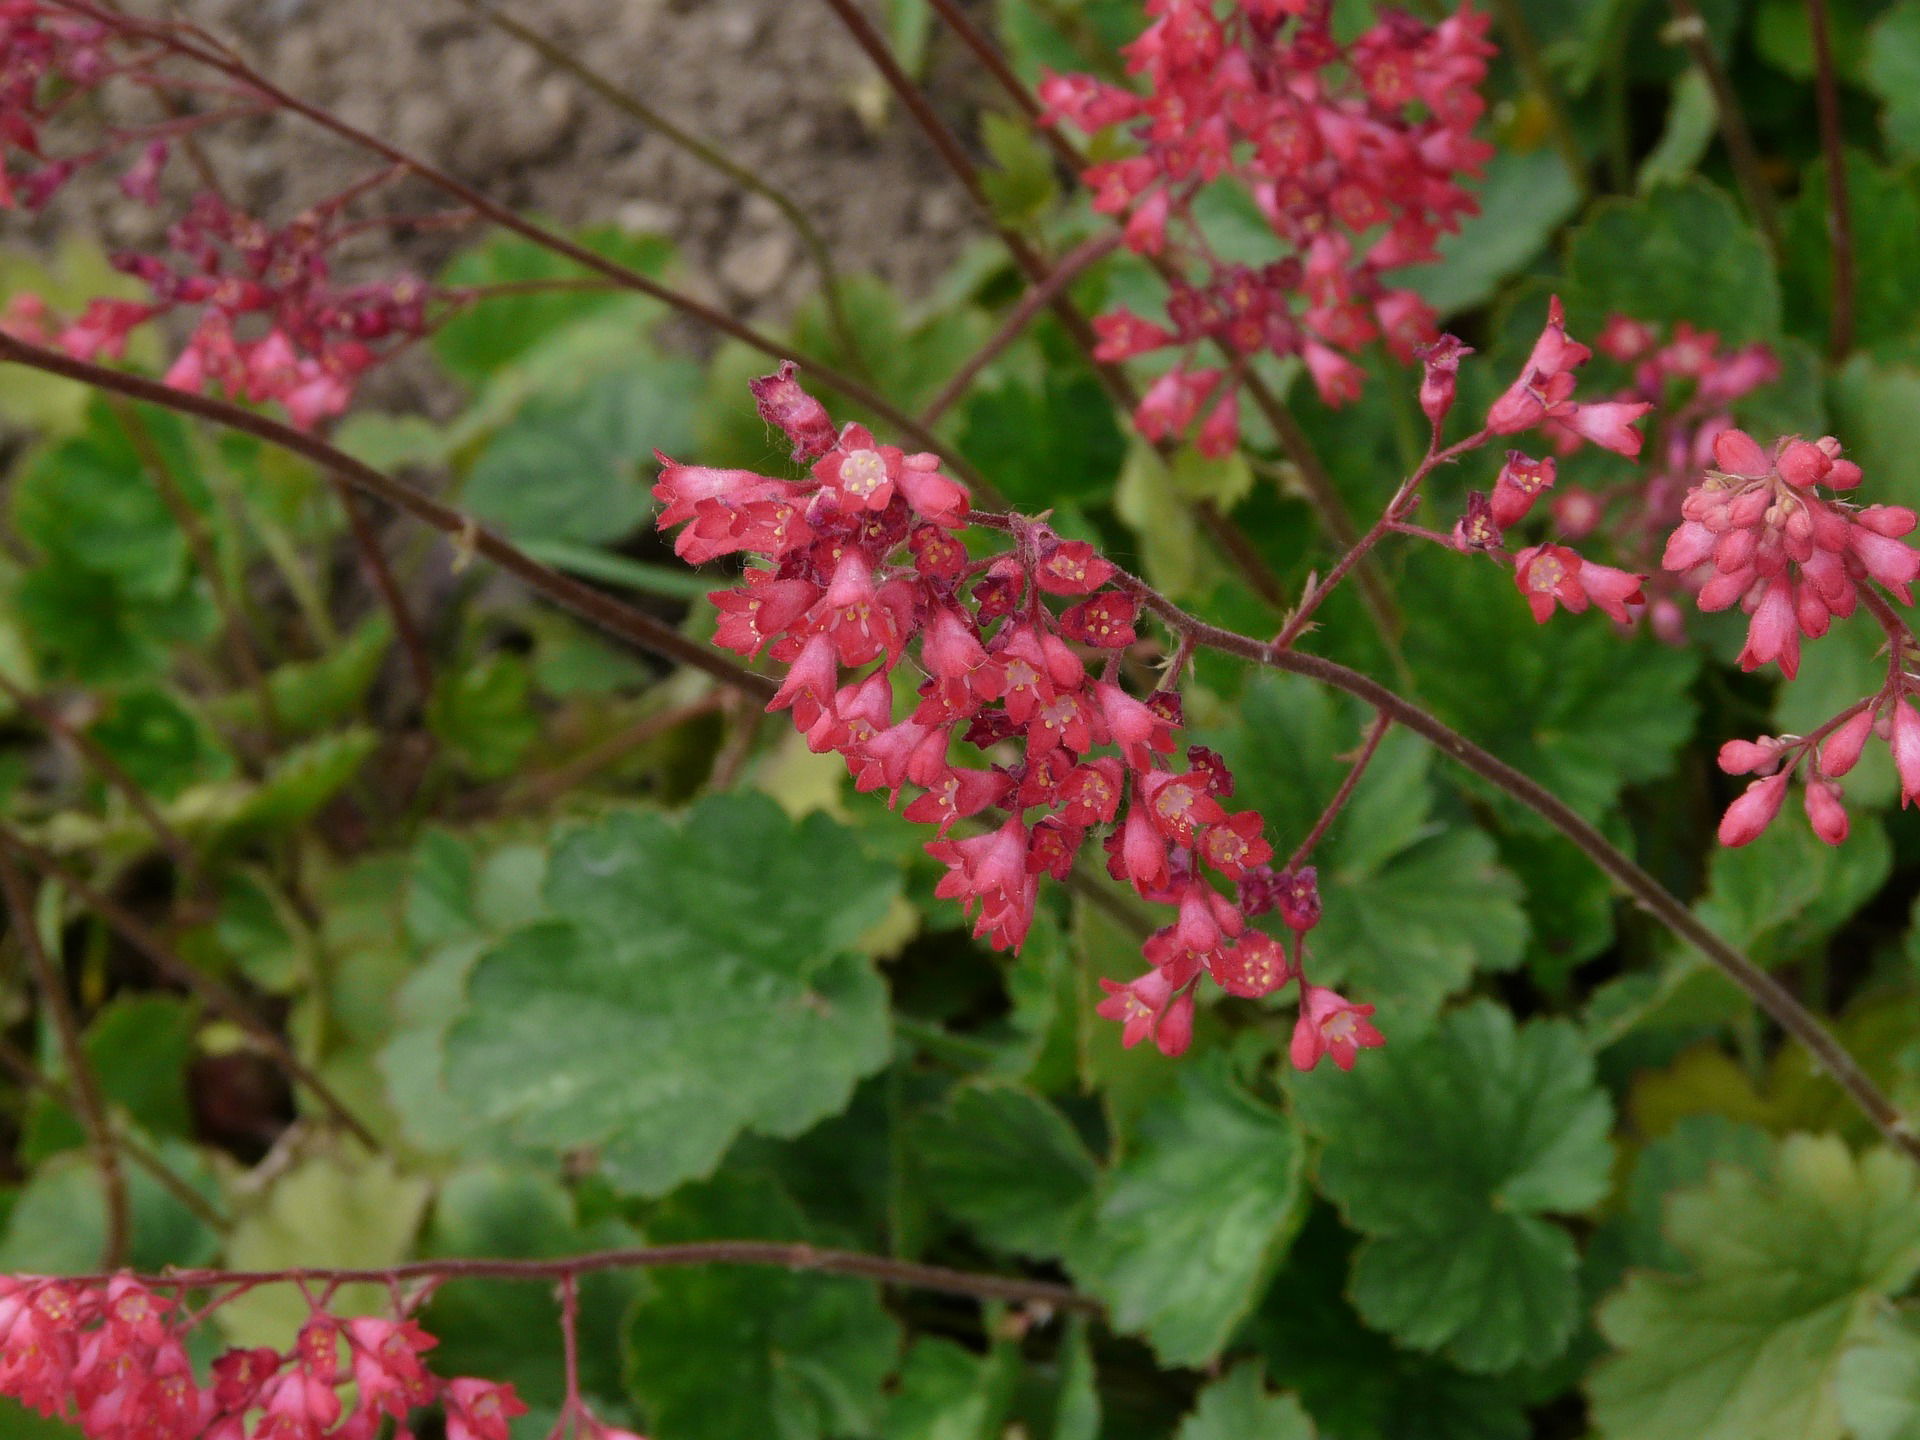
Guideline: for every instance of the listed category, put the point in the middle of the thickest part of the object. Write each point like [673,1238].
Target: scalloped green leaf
[1571,703]
[1679,252]
[696,980]
[1009,1165]
[1892,72]
[1449,1152]
[1240,1407]
[1785,1270]
[720,1352]
[1879,1382]
[1885,210]
[1780,896]
[1193,1222]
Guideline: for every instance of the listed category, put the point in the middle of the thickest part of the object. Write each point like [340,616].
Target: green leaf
[1239,1407]
[1783,34]
[1884,207]
[1076,1415]
[1020,184]
[1893,73]
[311,695]
[1448,1151]
[1680,252]
[695,982]
[304,778]
[718,1352]
[946,1392]
[1879,1382]
[330,1208]
[1691,121]
[1045,445]
[58,1225]
[1571,703]
[1354,1382]
[1779,897]
[1008,1164]
[1526,196]
[1143,496]
[489,336]
[160,743]
[1192,1224]
[1410,914]
[568,467]
[1785,1269]
[484,716]
[139,1047]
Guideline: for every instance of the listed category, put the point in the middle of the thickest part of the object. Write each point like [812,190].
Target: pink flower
[1331,1025]
[1750,815]
[480,1410]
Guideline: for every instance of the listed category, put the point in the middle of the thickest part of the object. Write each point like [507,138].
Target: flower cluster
[1759,533]
[111,1358]
[43,52]
[1692,382]
[1549,575]
[896,642]
[1354,153]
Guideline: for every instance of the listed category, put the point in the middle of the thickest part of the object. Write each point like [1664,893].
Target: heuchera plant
[1000,679]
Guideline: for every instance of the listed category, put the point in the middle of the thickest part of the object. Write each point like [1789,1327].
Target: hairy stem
[1376,732]
[386,585]
[91,1105]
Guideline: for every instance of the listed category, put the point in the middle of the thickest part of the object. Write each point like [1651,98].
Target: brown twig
[86,1085]
[1826,90]
[386,585]
[170,1180]
[189,977]
[1376,732]
[595,605]
[773,1254]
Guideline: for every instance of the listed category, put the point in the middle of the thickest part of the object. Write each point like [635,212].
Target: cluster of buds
[1355,154]
[46,60]
[1017,657]
[1758,532]
[111,1358]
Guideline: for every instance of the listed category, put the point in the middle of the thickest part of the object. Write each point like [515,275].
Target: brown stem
[86,1085]
[176,1185]
[189,977]
[1038,297]
[109,769]
[195,44]
[1690,29]
[1395,510]
[366,540]
[706,152]
[238,637]
[595,605]
[1376,732]
[775,1254]
[1826,91]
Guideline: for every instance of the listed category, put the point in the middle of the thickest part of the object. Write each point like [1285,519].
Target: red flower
[1331,1025]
